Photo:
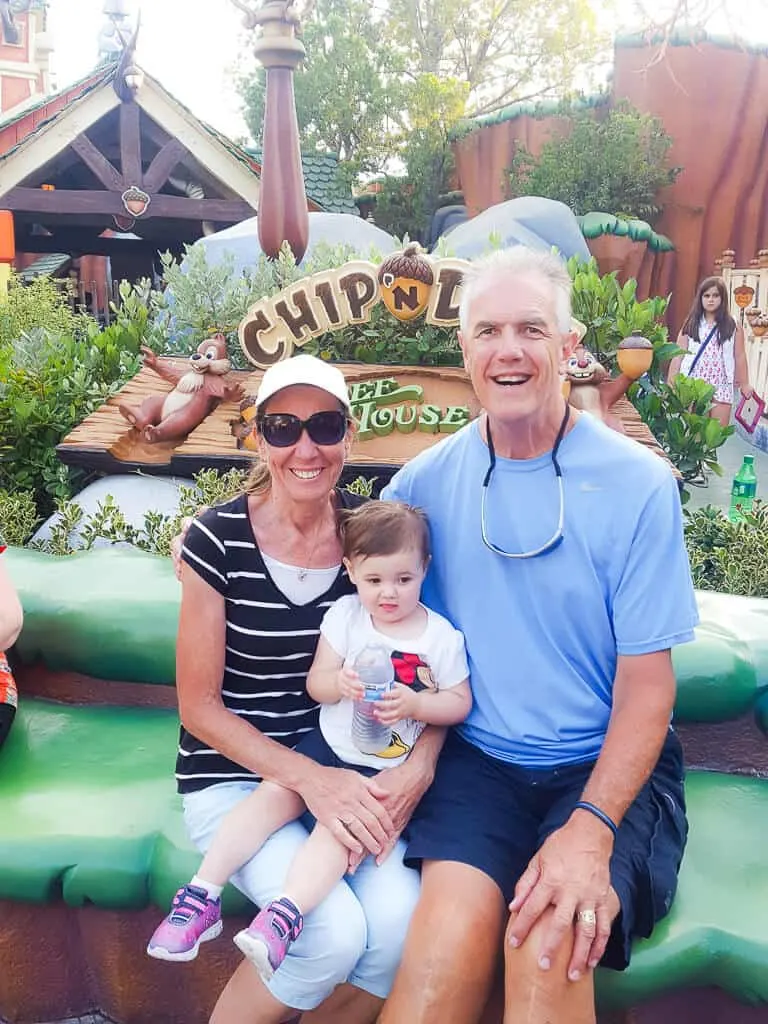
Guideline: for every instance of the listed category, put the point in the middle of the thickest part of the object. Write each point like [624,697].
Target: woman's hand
[746,390]
[352,807]
[402,787]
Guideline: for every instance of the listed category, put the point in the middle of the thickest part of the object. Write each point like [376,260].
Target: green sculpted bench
[92,839]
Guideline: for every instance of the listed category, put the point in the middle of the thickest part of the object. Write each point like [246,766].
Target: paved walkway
[718,488]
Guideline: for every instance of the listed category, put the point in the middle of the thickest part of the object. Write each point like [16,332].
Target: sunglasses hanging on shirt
[557,536]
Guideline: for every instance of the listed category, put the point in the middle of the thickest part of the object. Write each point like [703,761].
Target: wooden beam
[161,167]
[95,160]
[74,202]
[130,145]
[79,243]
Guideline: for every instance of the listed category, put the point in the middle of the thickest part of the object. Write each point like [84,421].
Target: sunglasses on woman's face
[283,429]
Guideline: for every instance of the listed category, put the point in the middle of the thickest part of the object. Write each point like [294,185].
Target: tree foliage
[614,162]
[354,93]
[434,107]
[505,50]
[348,98]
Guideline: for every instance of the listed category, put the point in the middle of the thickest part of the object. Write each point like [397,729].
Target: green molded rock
[89,809]
[723,672]
[111,613]
[715,933]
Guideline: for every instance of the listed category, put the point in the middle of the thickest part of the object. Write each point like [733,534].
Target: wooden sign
[410,284]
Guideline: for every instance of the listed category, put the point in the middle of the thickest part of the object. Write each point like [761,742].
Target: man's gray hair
[522,262]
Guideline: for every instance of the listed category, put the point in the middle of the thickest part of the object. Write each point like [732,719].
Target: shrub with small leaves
[18,517]
[74,531]
[731,558]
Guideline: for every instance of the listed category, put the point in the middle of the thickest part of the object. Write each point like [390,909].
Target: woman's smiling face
[305,472]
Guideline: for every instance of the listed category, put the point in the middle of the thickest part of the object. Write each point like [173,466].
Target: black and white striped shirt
[270,642]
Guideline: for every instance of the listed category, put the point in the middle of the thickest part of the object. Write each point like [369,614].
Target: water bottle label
[375,691]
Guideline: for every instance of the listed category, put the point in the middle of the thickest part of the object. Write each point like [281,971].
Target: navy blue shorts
[494,816]
[315,746]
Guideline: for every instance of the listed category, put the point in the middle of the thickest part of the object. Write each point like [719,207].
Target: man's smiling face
[513,347]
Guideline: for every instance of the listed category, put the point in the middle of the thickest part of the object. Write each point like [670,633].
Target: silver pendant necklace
[303,572]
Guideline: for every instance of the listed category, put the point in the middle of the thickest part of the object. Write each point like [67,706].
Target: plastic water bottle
[743,490]
[9,698]
[374,666]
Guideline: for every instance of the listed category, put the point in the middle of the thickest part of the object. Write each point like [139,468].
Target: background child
[386,553]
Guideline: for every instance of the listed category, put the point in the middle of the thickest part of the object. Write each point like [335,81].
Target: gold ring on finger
[586,917]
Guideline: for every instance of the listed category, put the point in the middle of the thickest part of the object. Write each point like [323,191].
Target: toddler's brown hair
[383,528]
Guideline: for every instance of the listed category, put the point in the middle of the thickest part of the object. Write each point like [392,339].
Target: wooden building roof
[67,162]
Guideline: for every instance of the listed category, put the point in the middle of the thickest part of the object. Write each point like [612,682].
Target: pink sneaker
[194,918]
[267,939]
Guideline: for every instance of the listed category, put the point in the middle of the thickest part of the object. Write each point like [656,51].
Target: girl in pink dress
[714,348]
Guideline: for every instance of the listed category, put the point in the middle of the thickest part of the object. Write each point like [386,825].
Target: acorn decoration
[743,295]
[243,428]
[405,281]
[760,325]
[634,356]
[135,200]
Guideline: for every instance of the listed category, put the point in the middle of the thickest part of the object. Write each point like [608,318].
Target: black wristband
[585,805]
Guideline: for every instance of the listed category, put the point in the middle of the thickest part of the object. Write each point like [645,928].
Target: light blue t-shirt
[543,634]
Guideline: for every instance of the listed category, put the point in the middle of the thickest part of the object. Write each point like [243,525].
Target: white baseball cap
[303,369]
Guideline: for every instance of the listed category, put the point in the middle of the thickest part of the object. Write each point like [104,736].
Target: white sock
[214,891]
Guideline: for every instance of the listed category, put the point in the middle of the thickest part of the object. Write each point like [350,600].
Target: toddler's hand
[350,685]
[400,702]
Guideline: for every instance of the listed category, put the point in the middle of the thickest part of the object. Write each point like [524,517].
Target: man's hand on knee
[569,873]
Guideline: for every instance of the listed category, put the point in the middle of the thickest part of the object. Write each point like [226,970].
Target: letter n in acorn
[405,280]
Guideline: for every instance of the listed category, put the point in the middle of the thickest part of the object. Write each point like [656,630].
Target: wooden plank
[94,159]
[161,167]
[78,243]
[80,201]
[105,441]
[130,145]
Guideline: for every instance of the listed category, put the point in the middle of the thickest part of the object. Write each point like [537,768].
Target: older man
[559,552]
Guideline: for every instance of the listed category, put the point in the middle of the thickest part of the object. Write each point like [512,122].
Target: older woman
[258,575]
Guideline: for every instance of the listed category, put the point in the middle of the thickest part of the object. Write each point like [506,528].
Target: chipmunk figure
[593,390]
[197,391]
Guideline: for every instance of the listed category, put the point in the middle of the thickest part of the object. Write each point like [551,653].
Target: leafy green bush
[615,162]
[157,531]
[385,340]
[611,312]
[677,416]
[18,517]
[729,557]
[49,383]
[40,304]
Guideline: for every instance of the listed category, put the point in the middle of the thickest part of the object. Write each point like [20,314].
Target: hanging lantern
[7,238]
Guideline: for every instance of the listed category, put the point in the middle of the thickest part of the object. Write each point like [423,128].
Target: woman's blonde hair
[259,480]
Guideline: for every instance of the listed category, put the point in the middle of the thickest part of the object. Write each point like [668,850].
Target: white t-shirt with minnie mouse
[435,660]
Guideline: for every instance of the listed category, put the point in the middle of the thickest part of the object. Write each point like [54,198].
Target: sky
[191,51]
[196,47]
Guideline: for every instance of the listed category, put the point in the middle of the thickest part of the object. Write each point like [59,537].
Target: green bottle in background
[743,490]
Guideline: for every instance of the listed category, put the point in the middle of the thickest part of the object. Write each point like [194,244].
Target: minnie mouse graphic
[410,670]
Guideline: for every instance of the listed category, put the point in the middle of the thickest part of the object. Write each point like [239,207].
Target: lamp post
[282,213]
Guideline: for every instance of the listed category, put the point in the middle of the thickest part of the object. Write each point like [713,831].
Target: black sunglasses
[283,429]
